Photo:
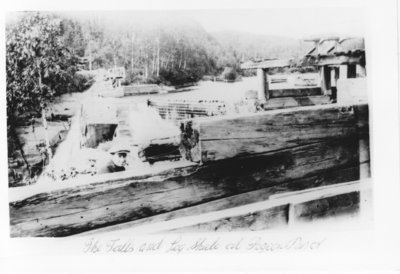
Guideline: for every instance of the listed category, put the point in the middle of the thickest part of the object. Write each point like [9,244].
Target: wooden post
[266,85]
[335,89]
[351,71]
[261,75]
[325,74]
[342,71]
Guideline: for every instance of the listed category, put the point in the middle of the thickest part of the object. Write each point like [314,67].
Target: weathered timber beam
[70,211]
[291,102]
[328,178]
[278,63]
[338,60]
[229,137]
[311,203]
[299,92]
[270,217]
[344,204]
[103,182]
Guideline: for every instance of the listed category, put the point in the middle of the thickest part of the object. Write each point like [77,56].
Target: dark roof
[340,46]
[332,50]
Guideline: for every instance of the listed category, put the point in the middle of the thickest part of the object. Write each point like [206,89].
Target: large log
[333,201]
[229,137]
[73,210]
[328,178]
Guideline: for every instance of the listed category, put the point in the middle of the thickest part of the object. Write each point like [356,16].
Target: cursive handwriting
[178,245]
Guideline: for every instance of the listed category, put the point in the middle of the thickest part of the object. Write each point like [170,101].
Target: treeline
[161,49]
[173,54]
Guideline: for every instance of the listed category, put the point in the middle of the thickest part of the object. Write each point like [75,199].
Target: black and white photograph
[214,121]
[120,119]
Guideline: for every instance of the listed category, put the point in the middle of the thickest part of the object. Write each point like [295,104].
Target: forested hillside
[168,50]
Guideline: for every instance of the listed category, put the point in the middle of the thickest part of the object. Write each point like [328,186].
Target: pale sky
[294,23]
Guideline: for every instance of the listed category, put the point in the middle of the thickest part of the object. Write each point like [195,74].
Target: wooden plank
[347,203]
[274,63]
[291,102]
[328,178]
[325,76]
[338,60]
[274,217]
[264,214]
[74,210]
[331,201]
[252,221]
[229,137]
[278,93]
[262,84]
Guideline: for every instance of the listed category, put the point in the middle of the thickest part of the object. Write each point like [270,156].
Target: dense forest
[172,51]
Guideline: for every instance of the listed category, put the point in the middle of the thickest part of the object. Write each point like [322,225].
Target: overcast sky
[295,23]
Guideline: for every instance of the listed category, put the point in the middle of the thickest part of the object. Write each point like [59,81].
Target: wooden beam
[329,201]
[237,136]
[275,63]
[325,75]
[328,178]
[336,199]
[300,92]
[77,209]
[338,60]
[334,206]
[291,102]
[262,86]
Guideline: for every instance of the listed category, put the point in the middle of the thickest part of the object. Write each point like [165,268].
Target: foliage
[181,77]
[38,66]
[229,74]
[161,50]
[82,81]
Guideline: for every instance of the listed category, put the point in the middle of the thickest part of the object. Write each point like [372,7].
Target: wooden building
[336,60]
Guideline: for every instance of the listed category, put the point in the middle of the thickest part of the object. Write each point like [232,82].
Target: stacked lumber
[182,109]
